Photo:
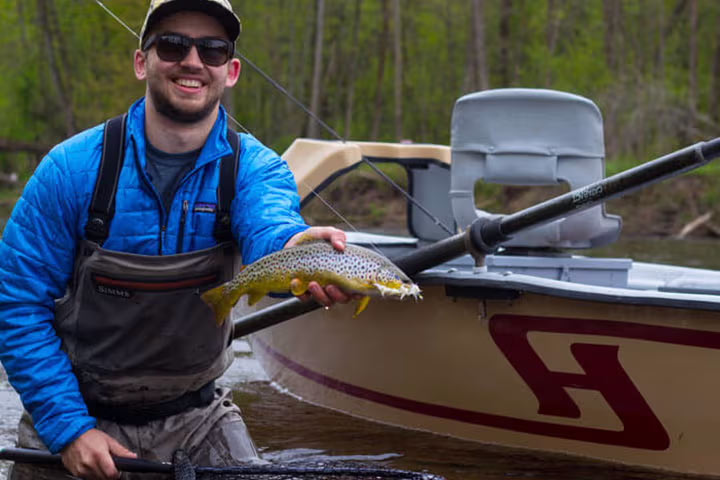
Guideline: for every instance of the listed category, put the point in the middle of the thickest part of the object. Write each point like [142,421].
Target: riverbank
[687,206]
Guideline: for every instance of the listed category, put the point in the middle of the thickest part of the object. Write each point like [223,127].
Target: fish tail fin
[221,302]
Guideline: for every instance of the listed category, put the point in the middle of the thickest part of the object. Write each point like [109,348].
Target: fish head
[392,282]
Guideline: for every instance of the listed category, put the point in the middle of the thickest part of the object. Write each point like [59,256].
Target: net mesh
[326,472]
[184,470]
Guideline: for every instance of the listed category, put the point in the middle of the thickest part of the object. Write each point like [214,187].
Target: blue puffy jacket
[37,250]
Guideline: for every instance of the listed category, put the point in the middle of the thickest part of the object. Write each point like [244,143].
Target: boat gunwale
[451,275]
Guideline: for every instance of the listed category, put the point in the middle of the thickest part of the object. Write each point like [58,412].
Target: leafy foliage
[76,63]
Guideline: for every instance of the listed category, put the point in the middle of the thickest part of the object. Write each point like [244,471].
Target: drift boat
[524,345]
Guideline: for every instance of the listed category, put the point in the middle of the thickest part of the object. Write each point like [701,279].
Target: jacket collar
[216,146]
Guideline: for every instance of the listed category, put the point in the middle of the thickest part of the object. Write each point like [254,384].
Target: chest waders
[142,343]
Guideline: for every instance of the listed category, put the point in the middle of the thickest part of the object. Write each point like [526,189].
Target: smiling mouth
[185,82]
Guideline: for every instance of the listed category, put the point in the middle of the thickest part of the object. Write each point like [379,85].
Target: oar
[484,236]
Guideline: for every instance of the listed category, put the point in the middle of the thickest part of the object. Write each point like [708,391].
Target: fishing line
[239,124]
[319,197]
[337,136]
[117,18]
[290,96]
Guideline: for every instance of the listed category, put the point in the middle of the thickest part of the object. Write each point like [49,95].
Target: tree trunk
[350,93]
[317,68]
[23,26]
[54,24]
[714,99]
[693,53]
[659,68]
[480,57]
[449,75]
[62,90]
[551,36]
[611,13]
[397,42]
[675,18]
[469,82]
[667,30]
[505,41]
[382,54]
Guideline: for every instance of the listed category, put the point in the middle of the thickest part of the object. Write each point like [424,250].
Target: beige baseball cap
[220,9]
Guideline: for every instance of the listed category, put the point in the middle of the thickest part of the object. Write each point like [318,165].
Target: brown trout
[356,270]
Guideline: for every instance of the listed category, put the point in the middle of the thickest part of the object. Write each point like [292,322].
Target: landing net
[184,470]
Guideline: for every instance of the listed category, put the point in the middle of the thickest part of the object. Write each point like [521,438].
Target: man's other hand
[90,456]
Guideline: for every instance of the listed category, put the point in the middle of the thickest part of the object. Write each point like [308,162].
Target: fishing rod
[136,465]
[484,235]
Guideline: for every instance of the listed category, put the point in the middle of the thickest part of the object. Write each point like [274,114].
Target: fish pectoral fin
[255,296]
[298,287]
[362,305]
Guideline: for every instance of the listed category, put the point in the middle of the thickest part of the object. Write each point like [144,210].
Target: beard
[166,107]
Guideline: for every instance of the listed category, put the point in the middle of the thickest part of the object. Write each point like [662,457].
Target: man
[124,363]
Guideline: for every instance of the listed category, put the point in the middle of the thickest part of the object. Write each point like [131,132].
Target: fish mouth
[404,290]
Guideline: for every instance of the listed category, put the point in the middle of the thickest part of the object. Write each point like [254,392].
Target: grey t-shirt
[166,170]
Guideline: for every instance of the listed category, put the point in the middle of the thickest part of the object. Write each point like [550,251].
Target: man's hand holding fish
[331,294]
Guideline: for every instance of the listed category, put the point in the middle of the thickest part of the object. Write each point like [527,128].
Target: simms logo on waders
[108,286]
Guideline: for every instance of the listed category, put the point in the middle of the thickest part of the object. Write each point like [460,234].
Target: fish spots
[356,270]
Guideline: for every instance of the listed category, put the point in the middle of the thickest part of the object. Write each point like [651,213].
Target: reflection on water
[292,431]
[10,411]
[288,430]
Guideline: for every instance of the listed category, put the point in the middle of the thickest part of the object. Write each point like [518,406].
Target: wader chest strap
[226,190]
[102,206]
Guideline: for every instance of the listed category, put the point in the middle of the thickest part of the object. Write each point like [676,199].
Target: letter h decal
[603,373]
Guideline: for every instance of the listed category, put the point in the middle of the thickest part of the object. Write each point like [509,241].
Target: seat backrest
[531,137]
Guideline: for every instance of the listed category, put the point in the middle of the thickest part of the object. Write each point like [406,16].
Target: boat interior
[528,137]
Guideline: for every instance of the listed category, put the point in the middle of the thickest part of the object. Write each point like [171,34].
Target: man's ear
[140,63]
[234,68]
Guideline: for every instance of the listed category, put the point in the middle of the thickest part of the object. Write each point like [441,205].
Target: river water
[286,429]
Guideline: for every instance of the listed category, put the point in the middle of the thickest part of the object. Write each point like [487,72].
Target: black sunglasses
[173,47]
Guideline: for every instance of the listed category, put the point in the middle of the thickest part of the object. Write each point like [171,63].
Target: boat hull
[629,383]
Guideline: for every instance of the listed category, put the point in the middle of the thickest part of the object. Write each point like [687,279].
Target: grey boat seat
[531,137]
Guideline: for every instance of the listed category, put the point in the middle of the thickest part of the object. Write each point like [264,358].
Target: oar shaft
[40,457]
[484,235]
[272,315]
